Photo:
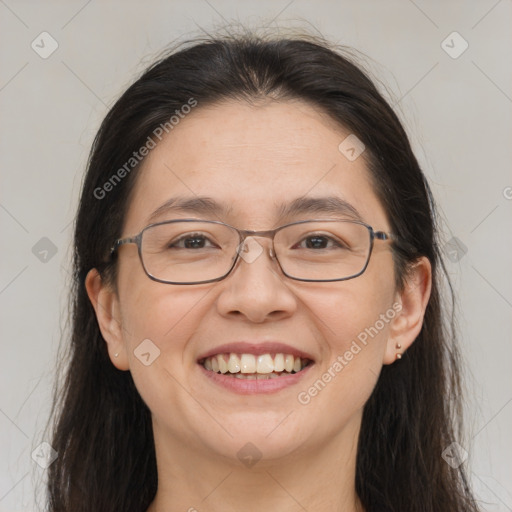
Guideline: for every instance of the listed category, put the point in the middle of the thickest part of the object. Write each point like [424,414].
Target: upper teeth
[249,363]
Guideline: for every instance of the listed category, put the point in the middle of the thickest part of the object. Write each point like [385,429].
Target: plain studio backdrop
[448,70]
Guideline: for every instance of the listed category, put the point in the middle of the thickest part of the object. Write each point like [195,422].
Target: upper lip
[255,348]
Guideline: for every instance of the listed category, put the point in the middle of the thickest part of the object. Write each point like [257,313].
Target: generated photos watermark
[137,156]
[305,397]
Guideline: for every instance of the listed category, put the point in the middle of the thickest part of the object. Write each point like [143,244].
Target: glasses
[191,251]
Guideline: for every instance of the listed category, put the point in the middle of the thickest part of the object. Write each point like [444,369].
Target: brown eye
[191,241]
[319,242]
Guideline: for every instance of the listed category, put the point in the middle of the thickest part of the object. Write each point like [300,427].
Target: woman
[257,316]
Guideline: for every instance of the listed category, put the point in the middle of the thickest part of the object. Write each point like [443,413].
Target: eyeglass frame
[243,234]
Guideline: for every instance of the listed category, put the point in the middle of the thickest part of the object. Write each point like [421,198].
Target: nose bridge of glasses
[269,233]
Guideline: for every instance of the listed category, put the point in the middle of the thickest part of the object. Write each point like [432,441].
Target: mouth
[255,366]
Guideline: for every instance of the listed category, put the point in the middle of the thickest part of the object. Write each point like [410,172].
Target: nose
[256,288]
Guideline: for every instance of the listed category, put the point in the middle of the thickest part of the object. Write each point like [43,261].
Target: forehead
[254,162]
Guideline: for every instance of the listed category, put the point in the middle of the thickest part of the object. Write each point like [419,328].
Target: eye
[191,241]
[319,241]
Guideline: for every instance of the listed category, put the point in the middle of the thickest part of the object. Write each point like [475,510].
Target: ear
[106,305]
[410,304]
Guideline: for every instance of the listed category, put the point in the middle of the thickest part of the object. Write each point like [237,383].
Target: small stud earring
[115,355]
[398,355]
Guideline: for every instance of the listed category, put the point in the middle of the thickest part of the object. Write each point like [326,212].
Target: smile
[255,367]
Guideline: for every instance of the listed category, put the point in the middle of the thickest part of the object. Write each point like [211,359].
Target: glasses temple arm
[123,241]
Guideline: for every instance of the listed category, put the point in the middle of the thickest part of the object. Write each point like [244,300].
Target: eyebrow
[331,205]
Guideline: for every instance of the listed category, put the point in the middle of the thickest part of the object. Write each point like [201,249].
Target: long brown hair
[101,427]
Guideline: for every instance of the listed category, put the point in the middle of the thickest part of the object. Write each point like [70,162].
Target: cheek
[152,310]
[353,311]
[168,317]
[158,321]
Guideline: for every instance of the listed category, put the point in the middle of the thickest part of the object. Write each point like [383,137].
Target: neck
[322,478]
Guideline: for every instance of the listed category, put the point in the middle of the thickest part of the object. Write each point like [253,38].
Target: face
[252,161]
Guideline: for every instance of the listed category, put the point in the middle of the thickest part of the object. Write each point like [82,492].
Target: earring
[398,355]
[115,355]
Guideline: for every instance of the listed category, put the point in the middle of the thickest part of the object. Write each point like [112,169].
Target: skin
[252,158]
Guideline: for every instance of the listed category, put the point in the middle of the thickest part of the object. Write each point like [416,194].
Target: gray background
[456,110]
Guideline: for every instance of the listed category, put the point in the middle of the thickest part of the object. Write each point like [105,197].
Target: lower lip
[255,386]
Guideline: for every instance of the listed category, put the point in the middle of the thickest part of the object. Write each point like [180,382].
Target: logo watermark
[249,455]
[454,45]
[44,45]
[147,352]
[351,147]
[44,455]
[454,455]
